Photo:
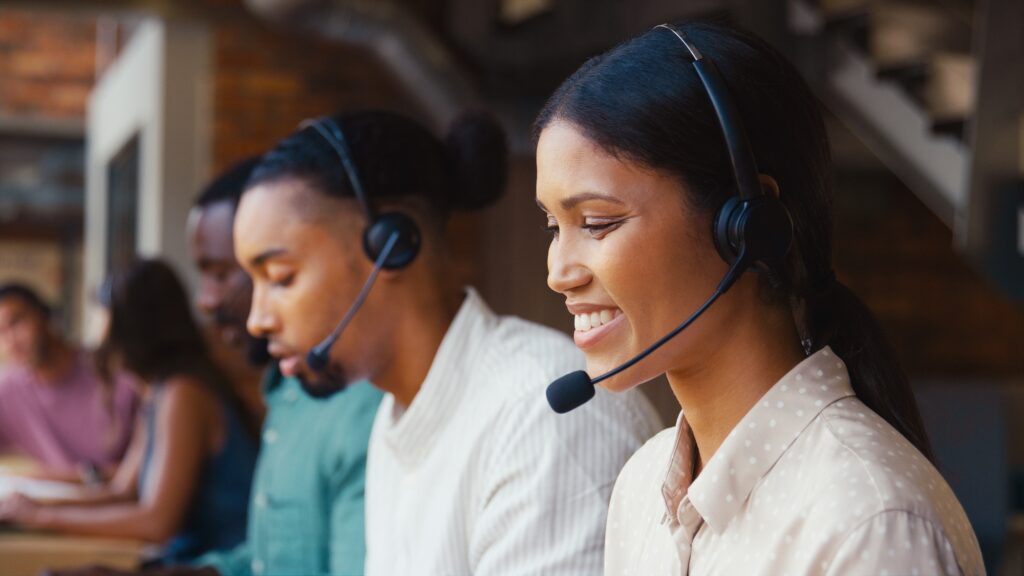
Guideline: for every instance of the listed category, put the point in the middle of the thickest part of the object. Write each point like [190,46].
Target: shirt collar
[757,442]
[272,378]
[412,434]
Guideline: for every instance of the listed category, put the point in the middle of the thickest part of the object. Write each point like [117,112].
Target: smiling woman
[799,441]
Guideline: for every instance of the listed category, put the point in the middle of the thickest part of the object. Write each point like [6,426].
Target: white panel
[125,102]
[158,88]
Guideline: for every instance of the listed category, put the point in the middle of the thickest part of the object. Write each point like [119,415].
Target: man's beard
[324,384]
[256,352]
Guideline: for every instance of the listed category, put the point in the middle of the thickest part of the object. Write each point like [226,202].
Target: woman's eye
[602,227]
[551,228]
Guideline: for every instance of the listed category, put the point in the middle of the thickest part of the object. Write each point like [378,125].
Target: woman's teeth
[585,322]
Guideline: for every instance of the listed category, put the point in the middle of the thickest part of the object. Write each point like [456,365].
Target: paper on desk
[37,489]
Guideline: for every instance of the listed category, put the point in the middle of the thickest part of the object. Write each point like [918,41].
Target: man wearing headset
[306,514]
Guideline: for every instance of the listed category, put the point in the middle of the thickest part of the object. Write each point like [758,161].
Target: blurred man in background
[225,290]
[306,514]
[54,407]
[307,508]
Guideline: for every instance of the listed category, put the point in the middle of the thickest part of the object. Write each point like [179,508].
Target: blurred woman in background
[185,480]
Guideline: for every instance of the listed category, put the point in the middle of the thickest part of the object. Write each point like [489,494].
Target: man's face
[303,252]
[225,291]
[22,332]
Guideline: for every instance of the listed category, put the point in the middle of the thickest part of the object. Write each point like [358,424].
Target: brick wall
[944,319]
[47,64]
[265,80]
[268,80]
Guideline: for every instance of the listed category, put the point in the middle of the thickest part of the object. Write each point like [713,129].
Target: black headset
[391,240]
[753,224]
[379,227]
[752,228]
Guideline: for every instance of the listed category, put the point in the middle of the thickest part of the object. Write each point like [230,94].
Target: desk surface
[17,464]
[26,553]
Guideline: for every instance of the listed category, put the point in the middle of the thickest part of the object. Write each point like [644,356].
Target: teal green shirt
[306,512]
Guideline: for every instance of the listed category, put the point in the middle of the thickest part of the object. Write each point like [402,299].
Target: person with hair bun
[799,448]
[469,471]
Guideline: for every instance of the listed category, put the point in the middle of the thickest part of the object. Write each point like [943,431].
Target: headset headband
[332,133]
[743,165]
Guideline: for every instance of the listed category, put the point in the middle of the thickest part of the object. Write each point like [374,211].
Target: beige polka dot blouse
[810,481]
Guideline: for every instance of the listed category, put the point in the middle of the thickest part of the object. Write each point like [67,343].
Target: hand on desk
[18,509]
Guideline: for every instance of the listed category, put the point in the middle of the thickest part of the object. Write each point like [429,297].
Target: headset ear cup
[762,226]
[767,230]
[405,249]
[725,241]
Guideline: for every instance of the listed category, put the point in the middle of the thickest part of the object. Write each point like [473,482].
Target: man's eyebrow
[261,258]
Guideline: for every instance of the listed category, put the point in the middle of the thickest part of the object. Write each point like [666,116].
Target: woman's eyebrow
[577,199]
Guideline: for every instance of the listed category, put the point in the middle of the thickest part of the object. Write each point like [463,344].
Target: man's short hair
[229,185]
[27,294]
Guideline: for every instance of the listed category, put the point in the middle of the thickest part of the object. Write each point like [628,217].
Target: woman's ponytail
[836,317]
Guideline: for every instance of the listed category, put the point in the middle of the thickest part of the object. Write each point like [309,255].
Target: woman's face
[632,260]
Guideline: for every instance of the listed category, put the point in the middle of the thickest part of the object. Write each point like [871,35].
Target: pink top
[67,423]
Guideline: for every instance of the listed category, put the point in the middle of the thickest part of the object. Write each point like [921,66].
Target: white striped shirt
[480,476]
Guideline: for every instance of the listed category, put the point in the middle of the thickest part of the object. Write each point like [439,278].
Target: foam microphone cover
[317,360]
[570,392]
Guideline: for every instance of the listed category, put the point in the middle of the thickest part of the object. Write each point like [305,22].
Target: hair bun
[478,153]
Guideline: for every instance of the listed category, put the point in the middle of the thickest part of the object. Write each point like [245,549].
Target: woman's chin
[627,380]
[618,383]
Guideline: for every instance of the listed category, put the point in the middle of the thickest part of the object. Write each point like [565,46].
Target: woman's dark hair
[27,295]
[152,332]
[643,102]
[399,162]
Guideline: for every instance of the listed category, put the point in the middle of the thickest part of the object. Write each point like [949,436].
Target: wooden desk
[17,464]
[26,553]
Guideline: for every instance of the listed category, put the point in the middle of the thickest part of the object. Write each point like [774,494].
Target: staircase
[936,89]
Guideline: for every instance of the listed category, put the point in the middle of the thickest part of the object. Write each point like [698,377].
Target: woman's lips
[587,338]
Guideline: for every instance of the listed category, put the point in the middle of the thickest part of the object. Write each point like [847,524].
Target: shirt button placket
[689,522]
[270,436]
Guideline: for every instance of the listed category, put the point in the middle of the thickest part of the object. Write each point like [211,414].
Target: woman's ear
[768,184]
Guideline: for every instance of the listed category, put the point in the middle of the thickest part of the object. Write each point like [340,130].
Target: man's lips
[288,361]
[290,366]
